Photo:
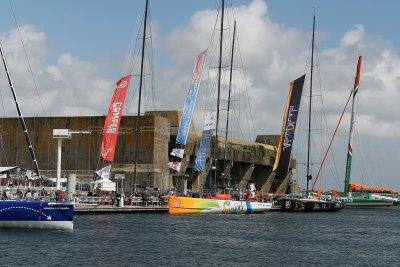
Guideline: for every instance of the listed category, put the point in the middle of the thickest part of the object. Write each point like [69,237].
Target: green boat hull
[359,202]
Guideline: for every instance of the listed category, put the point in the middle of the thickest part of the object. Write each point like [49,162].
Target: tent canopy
[104,185]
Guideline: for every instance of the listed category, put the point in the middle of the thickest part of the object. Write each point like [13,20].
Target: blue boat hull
[36,215]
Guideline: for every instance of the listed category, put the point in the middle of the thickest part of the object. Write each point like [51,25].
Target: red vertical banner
[112,122]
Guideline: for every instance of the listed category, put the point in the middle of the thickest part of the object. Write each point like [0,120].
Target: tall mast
[229,91]
[21,117]
[309,177]
[140,94]
[351,134]
[221,35]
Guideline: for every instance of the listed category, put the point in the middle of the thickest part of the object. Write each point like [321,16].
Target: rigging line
[132,58]
[333,136]
[1,127]
[3,149]
[241,63]
[149,61]
[375,159]
[362,161]
[361,171]
[323,132]
[297,156]
[247,96]
[360,146]
[29,64]
[133,54]
[364,172]
[208,82]
[336,174]
[153,85]
[131,47]
[149,53]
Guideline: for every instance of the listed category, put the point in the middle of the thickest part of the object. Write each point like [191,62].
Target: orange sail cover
[112,122]
[369,189]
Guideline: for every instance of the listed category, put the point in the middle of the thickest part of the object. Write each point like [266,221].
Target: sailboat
[309,203]
[364,196]
[368,200]
[219,203]
[32,214]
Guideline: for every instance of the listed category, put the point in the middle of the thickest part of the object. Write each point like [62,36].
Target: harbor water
[348,237]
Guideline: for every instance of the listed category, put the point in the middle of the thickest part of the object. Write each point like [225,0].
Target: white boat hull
[48,225]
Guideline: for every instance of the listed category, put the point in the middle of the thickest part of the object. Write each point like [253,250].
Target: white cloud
[70,86]
[353,37]
[275,54]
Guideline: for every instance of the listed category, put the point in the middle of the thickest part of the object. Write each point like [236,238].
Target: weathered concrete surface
[81,152]
[261,173]
[246,177]
[199,182]
[157,137]
[266,187]
[284,185]
[184,164]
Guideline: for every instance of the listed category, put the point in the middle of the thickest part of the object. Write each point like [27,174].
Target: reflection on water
[347,237]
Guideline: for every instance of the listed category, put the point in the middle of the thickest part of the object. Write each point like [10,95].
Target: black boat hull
[309,205]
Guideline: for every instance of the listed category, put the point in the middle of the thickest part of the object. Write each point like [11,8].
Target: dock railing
[89,200]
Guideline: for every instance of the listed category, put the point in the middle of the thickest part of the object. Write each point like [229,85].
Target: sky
[78,49]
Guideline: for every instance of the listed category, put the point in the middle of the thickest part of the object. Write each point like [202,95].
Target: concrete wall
[81,152]
[158,131]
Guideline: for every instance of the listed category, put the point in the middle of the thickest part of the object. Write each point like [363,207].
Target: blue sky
[90,29]
[72,40]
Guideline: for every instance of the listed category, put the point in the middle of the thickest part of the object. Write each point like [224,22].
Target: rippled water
[348,237]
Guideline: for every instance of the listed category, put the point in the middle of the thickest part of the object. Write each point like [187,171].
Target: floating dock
[106,209]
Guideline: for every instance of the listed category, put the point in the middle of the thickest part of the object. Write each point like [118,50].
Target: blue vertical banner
[204,148]
[188,108]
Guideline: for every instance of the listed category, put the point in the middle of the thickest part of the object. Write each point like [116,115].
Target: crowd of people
[32,194]
[141,197]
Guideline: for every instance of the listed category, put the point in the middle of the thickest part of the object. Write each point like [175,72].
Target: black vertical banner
[282,160]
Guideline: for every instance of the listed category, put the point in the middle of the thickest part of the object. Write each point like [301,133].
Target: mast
[221,35]
[21,117]
[351,134]
[309,176]
[229,91]
[140,95]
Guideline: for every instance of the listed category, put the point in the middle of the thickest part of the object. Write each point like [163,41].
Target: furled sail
[112,122]
[282,159]
[190,102]
[204,149]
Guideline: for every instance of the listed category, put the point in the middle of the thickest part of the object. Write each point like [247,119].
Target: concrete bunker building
[247,162]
